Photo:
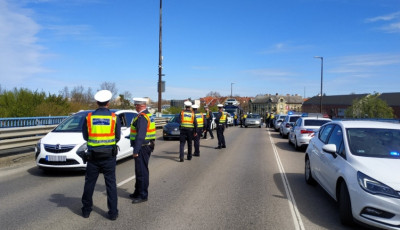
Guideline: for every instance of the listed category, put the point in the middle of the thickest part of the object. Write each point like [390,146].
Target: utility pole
[160,62]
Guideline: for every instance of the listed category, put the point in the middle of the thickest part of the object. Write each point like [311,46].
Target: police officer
[102,131]
[209,118]
[221,121]
[188,125]
[143,135]
[201,127]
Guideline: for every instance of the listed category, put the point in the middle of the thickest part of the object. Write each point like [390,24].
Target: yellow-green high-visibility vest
[187,119]
[200,120]
[151,127]
[101,129]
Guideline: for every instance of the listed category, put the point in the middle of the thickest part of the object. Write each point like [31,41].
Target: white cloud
[20,55]
[392,27]
[388,17]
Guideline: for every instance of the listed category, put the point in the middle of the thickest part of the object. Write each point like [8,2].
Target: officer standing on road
[221,121]
[188,125]
[102,131]
[143,135]
[209,118]
[201,127]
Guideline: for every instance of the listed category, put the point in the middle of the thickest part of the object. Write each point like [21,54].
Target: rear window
[293,119]
[315,122]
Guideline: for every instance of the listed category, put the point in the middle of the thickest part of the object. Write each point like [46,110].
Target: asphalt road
[257,182]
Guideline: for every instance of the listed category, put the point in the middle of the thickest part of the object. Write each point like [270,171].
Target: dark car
[171,129]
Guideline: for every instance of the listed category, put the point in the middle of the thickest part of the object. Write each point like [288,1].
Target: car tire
[345,213]
[308,172]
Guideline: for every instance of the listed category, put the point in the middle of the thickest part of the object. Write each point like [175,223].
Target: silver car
[253,119]
[303,130]
[278,120]
[286,124]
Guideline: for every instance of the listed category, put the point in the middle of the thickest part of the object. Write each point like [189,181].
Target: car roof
[316,118]
[368,124]
[116,111]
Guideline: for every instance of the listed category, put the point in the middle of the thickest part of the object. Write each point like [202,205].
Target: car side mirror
[330,148]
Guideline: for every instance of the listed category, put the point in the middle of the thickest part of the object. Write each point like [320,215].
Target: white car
[303,130]
[58,149]
[358,164]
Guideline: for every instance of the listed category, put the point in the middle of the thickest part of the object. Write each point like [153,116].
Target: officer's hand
[135,155]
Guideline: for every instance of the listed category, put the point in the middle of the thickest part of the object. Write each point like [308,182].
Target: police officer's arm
[117,130]
[85,130]
[226,121]
[141,130]
[204,124]
[195,125]
[179,120]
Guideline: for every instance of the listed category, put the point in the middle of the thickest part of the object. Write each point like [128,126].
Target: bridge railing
[30,121]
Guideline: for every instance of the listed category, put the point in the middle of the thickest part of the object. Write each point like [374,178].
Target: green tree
[370,106]
[172,110]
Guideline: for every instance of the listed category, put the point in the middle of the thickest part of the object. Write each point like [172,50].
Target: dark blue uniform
[208,127]
[186,135]
[143,148]
[199,131]
[220,130]
[102,160]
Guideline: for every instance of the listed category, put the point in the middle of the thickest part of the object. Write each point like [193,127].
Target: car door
[317,155]
[331,163]
[296,129]
[124,143]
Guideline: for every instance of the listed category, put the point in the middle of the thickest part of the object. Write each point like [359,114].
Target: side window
[324,133]
[298,122]
[122,119]
[129,117]
[336,138]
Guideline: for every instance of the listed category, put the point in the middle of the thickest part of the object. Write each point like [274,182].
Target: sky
[247,47]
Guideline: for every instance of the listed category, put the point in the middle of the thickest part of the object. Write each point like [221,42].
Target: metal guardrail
[30,121]
[26,136]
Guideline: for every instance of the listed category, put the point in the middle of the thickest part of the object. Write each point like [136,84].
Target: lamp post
[322,77]
[160,62]
[231,88]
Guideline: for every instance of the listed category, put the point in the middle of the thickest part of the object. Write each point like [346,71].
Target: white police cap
[195,106]
[103,96]
[220,105]
[139,100]
[187,103]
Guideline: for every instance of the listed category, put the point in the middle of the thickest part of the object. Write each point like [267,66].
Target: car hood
[171,125]
[62,138]
[385,170]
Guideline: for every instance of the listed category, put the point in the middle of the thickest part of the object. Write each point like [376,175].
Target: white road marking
[298,223]
[126,181]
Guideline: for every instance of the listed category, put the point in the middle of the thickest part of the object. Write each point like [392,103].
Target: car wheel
[259,126]
[307,172]
[245,126]
[346,216]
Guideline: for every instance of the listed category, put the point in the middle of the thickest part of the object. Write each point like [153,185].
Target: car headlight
[82,149]
[375,187]
[37,148]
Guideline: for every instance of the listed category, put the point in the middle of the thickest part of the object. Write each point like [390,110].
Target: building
[335,106]
[279,104]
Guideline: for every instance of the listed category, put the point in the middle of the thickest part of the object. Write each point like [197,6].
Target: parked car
[58,149]
[278,119]
[303,130]
[253,119]
[286,124]
[171,129]
[229,118]
[357,163]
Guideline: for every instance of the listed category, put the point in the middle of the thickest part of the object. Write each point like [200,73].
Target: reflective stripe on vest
[151,127]
[200,120]
[101,129]
[223,118]
[187,119]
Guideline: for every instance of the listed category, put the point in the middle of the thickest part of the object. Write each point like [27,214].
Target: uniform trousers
[208,128]
[142,172]
[93,169]
[220,135]
[185,136]
[197,142]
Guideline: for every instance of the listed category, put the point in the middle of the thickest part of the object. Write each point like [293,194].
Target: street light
[231,88]
[322,77]
[160,61]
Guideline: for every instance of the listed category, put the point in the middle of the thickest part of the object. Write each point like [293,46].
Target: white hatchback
[358,164]
[59,148]
[303,130]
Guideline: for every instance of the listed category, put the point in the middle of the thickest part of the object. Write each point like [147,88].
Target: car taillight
[304,131]
[287,125]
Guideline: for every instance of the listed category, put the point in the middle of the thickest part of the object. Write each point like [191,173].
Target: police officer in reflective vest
[201,127]
[188,125]
[143,135]
[209,118]
[221,121]
[102,131]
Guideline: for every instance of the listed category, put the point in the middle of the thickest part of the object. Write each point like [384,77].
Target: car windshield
[315,122]
[73,123]
[253,116]
[174,119]
[372,142]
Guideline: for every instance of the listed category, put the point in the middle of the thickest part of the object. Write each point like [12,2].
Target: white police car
[59,148]
[358,164]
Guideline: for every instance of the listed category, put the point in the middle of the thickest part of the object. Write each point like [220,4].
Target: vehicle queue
[352,160]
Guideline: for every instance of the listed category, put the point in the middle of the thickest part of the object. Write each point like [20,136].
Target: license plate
[175,132]
[56,158]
